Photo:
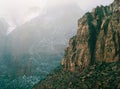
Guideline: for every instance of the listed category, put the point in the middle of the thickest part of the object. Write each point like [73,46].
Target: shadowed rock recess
[92,60]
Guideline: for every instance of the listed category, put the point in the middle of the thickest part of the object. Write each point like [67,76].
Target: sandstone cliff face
[97,39]
[92,60]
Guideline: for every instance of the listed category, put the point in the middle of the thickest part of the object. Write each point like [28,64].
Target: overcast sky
[19,6]
[17,11]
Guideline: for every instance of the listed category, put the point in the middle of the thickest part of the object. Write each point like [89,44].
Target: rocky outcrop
[92,60]
[97,39]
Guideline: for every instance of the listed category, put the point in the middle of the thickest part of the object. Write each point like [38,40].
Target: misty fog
[33,36]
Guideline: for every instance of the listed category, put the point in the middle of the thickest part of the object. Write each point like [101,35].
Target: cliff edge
[97,39]
[92,60]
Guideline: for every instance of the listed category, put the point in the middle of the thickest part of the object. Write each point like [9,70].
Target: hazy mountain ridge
[44,35]
[31,47]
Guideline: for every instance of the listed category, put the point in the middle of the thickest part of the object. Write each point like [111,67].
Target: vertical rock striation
[92,60]
[97,39]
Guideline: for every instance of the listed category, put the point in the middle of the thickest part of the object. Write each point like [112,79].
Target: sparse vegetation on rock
[92,60]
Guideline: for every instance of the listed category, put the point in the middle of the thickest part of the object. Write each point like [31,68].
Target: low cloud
[17,12]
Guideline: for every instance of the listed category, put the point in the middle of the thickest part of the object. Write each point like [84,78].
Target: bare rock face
[97,39]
